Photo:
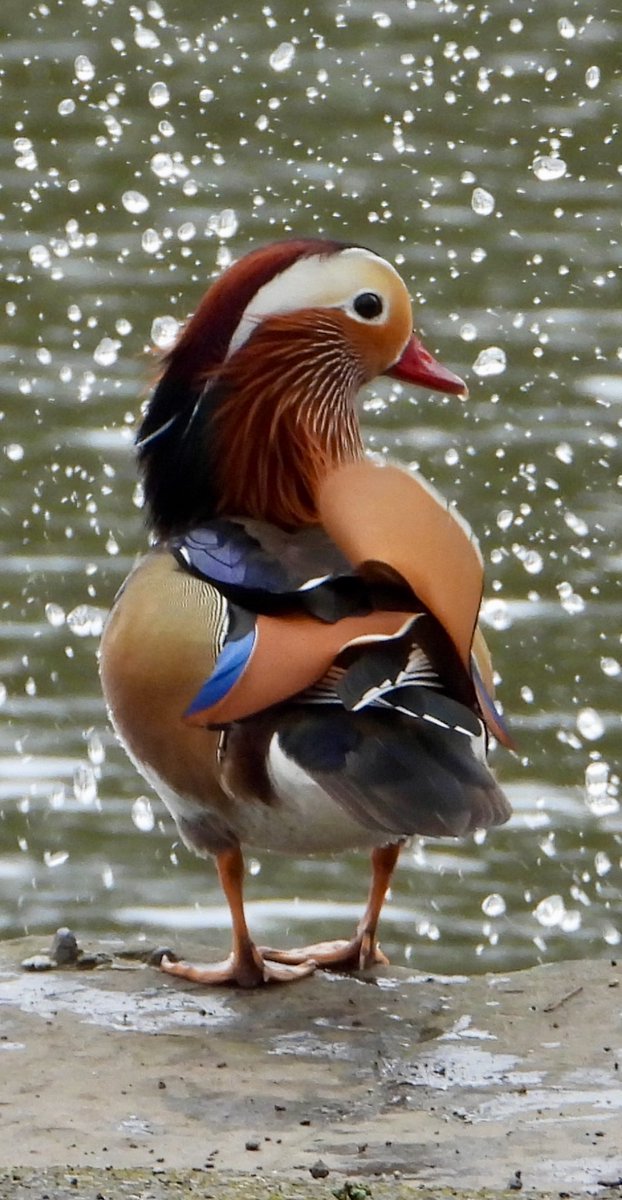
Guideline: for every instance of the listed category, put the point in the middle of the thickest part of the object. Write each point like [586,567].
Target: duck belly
[301,818]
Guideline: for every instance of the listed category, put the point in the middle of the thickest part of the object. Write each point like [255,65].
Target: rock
[319,1170]
[64,948]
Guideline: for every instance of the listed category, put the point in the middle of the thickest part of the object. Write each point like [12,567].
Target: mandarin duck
[296,664]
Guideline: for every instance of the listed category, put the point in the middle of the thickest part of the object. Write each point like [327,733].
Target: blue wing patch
[230,665]
[225,553]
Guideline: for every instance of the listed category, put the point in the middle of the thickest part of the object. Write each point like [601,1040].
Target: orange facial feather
[280,428]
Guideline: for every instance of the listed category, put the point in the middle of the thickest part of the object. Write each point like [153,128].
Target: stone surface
[441,1083]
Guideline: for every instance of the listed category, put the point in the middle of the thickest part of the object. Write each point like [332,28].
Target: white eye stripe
[327,282]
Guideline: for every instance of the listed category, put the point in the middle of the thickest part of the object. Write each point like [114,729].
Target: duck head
[256,401]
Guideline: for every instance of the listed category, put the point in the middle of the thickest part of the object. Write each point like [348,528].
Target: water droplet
[493,905]
[505,518]
[468,332]
[610,667]
[282,58]
[602,863]
[55,615]
[206,95]
[134,202]
[142,814]
[570,600]
[151,241]
[571,920]
[108,878]
[566,27]
[547,167]
[39,256]
[146,39]
[452,457]
[224,224]
[162,165]
[496,614]
[3,694]
[164,330]
[14,451]
[491,361]
[85,785]
[577,524]
[95,749]
[600,792]
[83,68]
[86,621]
[482,202]
[57,798]
[66,107]
[564,452]
[532,562]
[105,353]
[611,935]
[526,694]
[187,230]
[547,845]
[592,77]
[550,911]
[55,858]
[159,95]
[590,724]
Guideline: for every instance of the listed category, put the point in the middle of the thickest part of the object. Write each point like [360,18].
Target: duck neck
[285,421]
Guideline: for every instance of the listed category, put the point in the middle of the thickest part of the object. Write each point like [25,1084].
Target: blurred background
[143,148]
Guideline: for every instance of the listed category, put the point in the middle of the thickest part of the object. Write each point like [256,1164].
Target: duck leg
[246,966]
[362,950]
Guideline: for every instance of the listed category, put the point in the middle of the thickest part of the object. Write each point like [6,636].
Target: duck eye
[368,305]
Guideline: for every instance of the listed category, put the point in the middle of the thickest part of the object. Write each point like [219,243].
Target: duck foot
[361,952]
[247,971]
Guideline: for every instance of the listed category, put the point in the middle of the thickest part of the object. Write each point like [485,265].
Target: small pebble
[515,1183]
[89,962]
[64,948]
[319,1170]
[155,957]
[252,1144]
[38,962]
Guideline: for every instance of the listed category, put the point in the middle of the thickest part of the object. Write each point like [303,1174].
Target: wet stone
[319,1170]
[38,962]
[65,947]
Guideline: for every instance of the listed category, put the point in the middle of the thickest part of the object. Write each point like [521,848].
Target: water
[143,149]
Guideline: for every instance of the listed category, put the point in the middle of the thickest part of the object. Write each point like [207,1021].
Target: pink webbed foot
[253,971]
[358,954]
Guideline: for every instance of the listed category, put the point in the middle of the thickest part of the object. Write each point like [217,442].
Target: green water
[376,124]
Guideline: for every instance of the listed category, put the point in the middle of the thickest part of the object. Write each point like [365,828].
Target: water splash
[482,202]
[134,202]
[547,167]
[282,58]
[491,361]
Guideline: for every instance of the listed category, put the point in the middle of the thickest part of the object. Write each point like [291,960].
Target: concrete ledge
[134,1084]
